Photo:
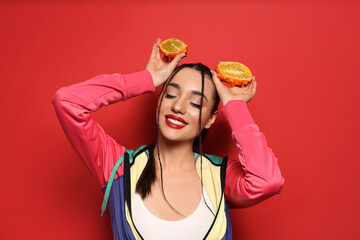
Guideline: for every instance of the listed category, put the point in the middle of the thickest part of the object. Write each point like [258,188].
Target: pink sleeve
[73,105]
[255,175]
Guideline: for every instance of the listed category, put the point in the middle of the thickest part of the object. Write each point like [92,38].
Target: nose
[179,105]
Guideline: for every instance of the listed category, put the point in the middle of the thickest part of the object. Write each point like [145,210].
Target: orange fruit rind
[172,47]
[234,73]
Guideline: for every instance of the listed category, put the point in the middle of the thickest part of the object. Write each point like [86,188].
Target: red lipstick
[173,124]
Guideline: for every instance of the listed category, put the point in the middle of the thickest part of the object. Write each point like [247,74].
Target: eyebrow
[199,93]
[175,85]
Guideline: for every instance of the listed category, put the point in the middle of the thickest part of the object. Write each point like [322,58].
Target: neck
[175,156]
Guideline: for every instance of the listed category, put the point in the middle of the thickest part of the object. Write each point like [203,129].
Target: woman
[169,191]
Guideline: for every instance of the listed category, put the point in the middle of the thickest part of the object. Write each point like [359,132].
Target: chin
[172,137]
[175,135]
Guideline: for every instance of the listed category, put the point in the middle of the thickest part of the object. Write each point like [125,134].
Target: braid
[158,133]
[200,142]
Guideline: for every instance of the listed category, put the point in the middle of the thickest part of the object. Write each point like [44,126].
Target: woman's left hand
[245,93]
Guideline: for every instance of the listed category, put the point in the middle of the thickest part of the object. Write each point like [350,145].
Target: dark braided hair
[148,176]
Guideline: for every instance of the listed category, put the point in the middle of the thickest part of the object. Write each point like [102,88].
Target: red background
[305,57]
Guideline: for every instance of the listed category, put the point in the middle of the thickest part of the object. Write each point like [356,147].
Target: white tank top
[193,227]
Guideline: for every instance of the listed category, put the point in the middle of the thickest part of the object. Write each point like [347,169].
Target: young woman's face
[180,108]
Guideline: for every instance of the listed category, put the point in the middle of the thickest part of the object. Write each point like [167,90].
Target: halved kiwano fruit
[234,73]
[172,47]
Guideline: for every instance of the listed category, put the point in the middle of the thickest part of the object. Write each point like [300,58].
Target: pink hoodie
[251,178]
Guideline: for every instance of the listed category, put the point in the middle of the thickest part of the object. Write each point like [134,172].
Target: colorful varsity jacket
[230,183]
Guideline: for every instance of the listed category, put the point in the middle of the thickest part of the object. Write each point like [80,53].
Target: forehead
[190,80]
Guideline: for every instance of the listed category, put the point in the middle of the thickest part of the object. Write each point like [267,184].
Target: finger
[153,51]
[222,88]
[254,85]
[176,60]
[216,80]
[158,54]
[253,82]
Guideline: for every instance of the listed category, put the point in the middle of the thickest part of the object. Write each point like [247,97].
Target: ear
[211,120]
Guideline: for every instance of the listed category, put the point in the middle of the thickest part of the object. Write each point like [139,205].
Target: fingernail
[183,54]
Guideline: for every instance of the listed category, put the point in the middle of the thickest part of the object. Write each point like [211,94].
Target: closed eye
[196,105]
[169,96]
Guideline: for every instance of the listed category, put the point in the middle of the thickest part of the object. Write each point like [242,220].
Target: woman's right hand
[160,69]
